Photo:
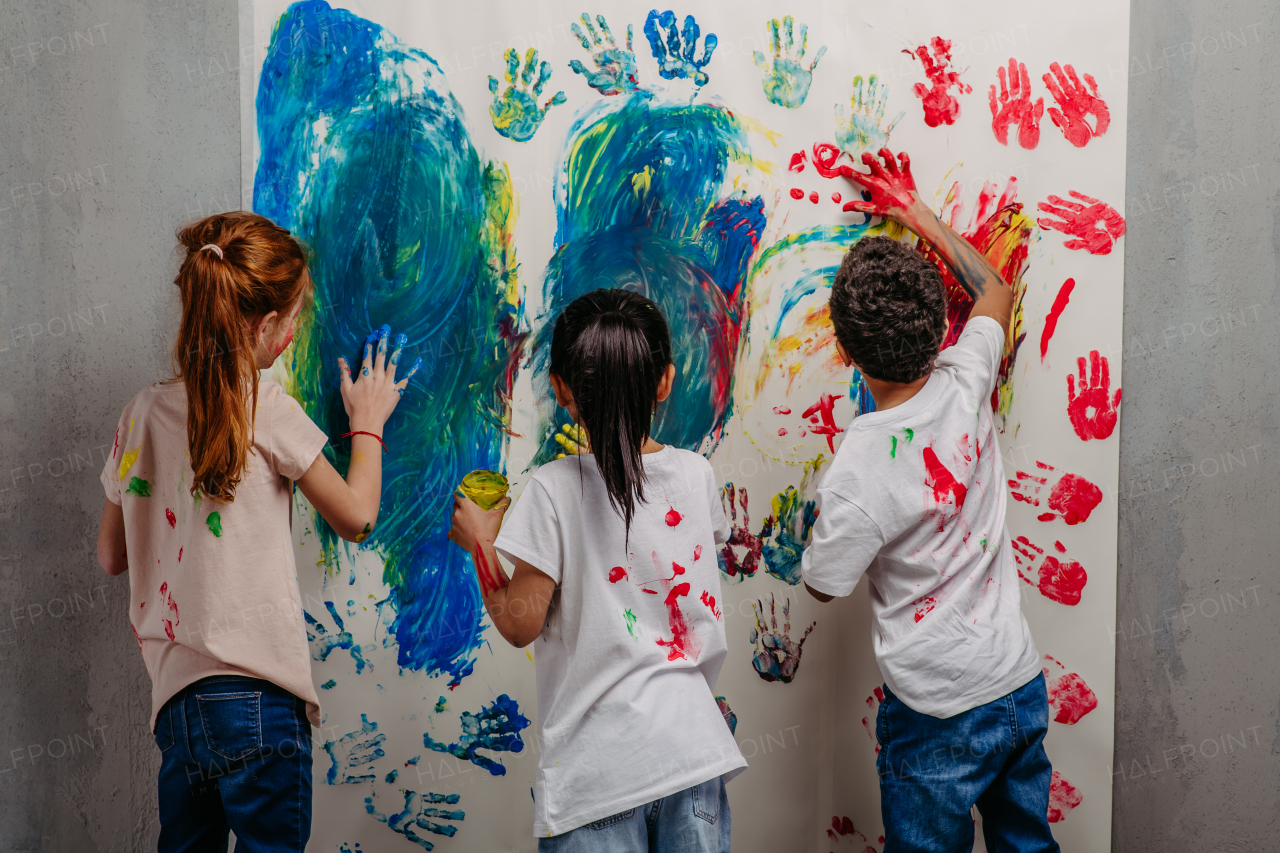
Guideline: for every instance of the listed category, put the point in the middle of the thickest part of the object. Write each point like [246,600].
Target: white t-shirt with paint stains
[915,499]
[634,639]
[213,587]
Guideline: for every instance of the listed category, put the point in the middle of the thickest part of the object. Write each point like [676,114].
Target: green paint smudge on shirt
[893,448]
[139,487]
[910,434]
[214,523]
[631,624]
[984,543]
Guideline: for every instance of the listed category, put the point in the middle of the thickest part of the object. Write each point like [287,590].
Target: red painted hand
[1096,225]
[1071,497]
[1076,103]
[1015,107]
[1093,410]
[1059,579]
[892,188]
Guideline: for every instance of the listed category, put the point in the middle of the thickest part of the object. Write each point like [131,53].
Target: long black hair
[612,347]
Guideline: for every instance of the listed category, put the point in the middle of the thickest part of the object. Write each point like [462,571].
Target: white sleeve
[845,541]
[531,532]
[714,501]
[976,355]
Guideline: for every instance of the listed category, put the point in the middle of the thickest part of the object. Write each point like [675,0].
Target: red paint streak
[835,197]
[616,574]
[170,517]
[1095,225]
[1014,107]
[1076,102]
[813,196]
[1059,547]
[1073,498]
[797,162]
[490,577]
[651,591]
[142,605]
[924,606]
[115,445]
[1063,797]
[1051,321]
[179,555]
[842,827]
[681,636]
[135,636]
[940,107]
[167,601]
[1093,411]
[1062,581]
[673,518]
[710,600]
[797,194]
[824,408]
[781,410]
[946,488]
[697,553]
[1070,698]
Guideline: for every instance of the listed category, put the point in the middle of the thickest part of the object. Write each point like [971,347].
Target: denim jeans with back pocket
[695,820]
[236,756]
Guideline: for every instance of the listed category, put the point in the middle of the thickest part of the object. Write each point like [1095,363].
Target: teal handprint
[782,552]
[860,131]
[616,68]
[515,112]
[787,82]
[675,57]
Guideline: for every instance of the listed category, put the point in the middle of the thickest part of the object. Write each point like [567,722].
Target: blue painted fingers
[615,72]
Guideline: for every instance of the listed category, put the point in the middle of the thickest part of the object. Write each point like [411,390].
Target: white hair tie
[217,249]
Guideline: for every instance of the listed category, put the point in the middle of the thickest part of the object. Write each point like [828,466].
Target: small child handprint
[787,81]
[413,818]
[1076,102]
[515,112]
[777,656]
[323,643]
[352,752]
[1062,580]
[616,68]
[1092,411]
[858,129]
[794,519]
[675,57]
[1071,497]
[1014,106]
[1095,225]
[739,536]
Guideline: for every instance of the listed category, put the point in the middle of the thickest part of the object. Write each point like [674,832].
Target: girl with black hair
[615,574]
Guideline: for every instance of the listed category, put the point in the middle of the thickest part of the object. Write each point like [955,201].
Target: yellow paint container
[486,488]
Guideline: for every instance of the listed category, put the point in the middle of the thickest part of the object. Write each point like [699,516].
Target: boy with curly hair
[915,499]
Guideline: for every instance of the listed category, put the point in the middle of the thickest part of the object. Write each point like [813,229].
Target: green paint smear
[441,705]
[910,434]
[631,624]
[214,523]
[893,449]
[329,685]
[139,487]
[984,543]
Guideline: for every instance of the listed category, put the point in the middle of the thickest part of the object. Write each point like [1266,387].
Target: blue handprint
[617,67]
[352,752]
[496,728]
[787,82]
[860,131]
[674,59]
[417,809]
[782,554]
[323,643]
[515,112]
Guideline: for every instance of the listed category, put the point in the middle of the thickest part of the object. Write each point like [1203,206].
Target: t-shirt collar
[926,397]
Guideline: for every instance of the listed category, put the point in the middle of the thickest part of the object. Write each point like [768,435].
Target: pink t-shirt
[213,586]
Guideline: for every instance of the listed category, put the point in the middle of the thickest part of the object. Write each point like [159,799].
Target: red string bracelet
[362,432]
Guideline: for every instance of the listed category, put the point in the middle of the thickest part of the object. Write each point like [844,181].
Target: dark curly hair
[889,309]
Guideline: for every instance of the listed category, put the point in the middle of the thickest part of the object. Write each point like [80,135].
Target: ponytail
[238,268]
[612,347]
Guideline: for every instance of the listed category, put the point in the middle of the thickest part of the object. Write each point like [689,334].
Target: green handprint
[861,131]
[617,67]
[515,112]
[787,82]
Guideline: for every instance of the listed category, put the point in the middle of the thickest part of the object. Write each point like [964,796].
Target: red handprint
[1071,498]
[940,106]
[1069,697]
[1063,797]
[891,186]
[739,536]
[1096,225]
[1061,581]
[1076,103]
[1015,107]
[1092,411]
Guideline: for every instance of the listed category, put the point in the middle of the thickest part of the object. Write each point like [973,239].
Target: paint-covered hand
[675,56]
[891,188]
[515,112]
[473,525]
[1092,411]
[777,656]
[1071,497]
[1014,106]
[858,129]
[793,520]
[1057,578]
[787,81]
[371,398]
[616,72]
[1076,102]
[572,440]
[421,812]
[740,536]
[1095,225]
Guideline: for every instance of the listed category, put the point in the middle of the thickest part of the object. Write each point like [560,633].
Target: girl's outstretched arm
[351,506]
[517,605]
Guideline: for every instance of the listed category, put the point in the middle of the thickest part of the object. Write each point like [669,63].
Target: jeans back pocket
[232,723]
[706,800]
[606,822]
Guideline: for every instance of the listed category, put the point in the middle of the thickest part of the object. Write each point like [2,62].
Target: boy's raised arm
[893,196]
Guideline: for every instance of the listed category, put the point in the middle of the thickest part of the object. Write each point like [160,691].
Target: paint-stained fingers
[859,207]
[556,99]
[401,340]
[513,65]
[344,374]
[586,20]
[1093,84]
[577,31]
[544,74]
[404,383]
[530,66]
[604,28]
[493,86]
[1004,89]
[1025,80]
[890,165]
[1100,369]
[775,38]
[758,58]
[1077,89]
[689,33]
[366,362]
[788,37]
[821,53]
[380,360]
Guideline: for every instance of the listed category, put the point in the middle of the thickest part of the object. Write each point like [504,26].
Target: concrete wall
[121,119]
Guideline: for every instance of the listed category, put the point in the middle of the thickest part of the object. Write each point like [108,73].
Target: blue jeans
[695,820]
[235,756]
[932,772]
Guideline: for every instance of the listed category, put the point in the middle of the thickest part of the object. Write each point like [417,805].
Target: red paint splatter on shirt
[616,574]
[681,637]
[1092,411]
[1063,797]
[1051,321]
[115,445]
[710,601]
[946,488]
[924,606]
[168,621]
[170,517]
[697,553]
[824,409]
[940,106]
[673,518]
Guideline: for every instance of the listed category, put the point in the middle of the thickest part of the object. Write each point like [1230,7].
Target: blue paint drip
[396,213]
[496,728]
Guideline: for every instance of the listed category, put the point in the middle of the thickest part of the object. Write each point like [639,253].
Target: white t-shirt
[213,588]
[915,498]
[634,638]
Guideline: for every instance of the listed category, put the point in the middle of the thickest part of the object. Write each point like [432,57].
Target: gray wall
[121,119]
